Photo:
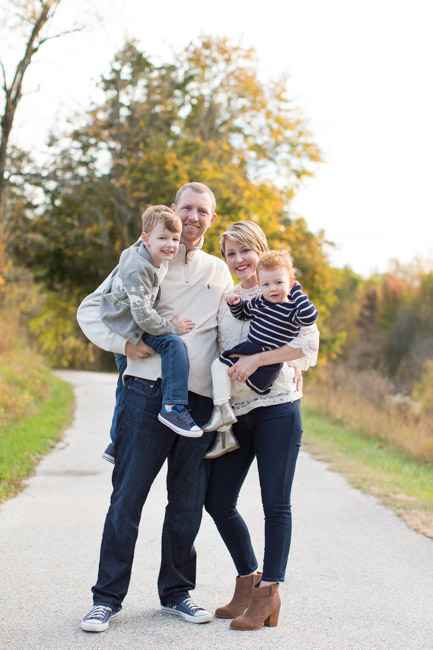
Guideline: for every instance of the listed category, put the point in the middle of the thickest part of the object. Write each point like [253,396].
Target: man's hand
[232,299]
[184,325]
[139,351]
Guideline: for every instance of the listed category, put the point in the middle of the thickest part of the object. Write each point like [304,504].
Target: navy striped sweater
[274,325]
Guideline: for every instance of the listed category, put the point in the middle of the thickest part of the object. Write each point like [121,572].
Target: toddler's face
[161,243]
[275,284]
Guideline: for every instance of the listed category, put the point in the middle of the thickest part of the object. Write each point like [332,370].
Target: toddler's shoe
[222,416]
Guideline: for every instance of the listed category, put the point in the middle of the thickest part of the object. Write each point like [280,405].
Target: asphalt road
[357,578]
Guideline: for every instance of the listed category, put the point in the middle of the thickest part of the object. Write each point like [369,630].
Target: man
[195,283]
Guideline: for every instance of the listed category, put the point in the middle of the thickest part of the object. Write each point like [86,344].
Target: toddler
[276,316]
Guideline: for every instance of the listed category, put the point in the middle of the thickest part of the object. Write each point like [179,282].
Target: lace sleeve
[308,341]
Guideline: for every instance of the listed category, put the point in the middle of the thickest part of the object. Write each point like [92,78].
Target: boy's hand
[232,299]
[184,325]
[293,282]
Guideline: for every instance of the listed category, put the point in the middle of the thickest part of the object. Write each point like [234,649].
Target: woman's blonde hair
[247,233]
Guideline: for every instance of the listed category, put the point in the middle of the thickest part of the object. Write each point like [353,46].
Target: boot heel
[272,620]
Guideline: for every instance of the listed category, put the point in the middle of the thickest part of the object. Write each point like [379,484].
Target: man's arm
[89,319]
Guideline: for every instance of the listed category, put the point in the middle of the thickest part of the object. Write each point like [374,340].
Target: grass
[374,466]
[25,441]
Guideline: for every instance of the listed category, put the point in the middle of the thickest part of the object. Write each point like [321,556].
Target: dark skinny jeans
[273,435]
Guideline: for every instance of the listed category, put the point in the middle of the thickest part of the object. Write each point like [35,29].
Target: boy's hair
[155,214]
[273,260]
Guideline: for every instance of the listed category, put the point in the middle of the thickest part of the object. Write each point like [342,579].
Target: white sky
[360,71]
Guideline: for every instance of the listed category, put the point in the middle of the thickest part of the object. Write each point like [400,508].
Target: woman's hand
[298,380]
[244,366]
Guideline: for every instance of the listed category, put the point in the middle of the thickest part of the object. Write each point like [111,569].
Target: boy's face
[275,284]
[161,243]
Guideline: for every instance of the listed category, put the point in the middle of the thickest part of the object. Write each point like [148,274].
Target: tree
[35,14]
[207,118]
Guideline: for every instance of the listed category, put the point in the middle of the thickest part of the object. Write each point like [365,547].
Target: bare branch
[5,83]
[49,38]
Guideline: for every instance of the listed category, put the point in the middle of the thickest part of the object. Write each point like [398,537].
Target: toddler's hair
[155,214]
[272,260]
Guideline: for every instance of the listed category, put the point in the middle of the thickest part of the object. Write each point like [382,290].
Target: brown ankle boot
[263,609]
[241,598]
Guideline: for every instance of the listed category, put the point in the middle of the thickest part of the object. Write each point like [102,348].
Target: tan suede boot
[241,598]
[263,609]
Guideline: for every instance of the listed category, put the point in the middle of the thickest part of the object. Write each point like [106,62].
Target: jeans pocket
[144,387]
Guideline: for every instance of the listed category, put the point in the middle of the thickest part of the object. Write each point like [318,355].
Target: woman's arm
[302,351]
[247,364]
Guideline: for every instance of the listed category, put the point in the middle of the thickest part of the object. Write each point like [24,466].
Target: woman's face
[241,260]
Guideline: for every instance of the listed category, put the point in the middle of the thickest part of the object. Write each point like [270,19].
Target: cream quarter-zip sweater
[193,287]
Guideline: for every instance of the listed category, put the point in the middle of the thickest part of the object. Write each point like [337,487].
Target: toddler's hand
[293,282]
[232,299]
[184,325]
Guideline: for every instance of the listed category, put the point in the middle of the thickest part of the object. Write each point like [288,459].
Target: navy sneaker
[180,421]
[109,453]
[189,611]
[98,619]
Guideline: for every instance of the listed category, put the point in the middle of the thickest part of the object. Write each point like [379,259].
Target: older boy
[128,307]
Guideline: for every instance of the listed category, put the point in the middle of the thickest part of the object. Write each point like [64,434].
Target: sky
[361,73]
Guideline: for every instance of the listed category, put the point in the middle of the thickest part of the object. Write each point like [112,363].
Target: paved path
[357,579]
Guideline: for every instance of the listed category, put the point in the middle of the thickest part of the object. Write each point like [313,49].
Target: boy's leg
[174,370]
[174,366]
[221,382]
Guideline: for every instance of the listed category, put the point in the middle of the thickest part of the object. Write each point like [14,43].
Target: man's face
[195,211]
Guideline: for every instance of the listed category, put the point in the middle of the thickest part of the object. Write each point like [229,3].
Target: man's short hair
[273,260]
[200,188]
[155,214]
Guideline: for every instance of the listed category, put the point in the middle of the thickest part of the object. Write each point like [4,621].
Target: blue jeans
[121,365]
[174,366]
[141,447]
[174,370]
[272,434]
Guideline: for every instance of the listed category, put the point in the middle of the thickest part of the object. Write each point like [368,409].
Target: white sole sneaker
[93,625]
[181,432]
[203,617]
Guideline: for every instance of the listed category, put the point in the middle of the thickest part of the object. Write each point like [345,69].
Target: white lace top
[232,331]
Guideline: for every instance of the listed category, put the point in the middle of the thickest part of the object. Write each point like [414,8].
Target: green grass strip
[372,465]
[23,443]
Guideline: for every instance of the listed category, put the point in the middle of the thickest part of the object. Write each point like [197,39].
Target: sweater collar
[184,256]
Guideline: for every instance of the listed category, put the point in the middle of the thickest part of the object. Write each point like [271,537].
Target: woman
[269,428]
